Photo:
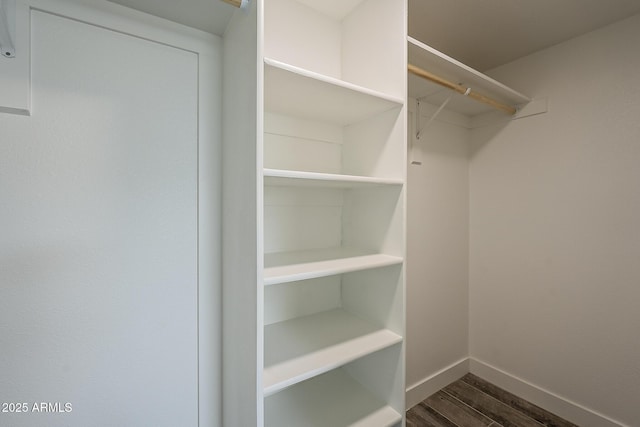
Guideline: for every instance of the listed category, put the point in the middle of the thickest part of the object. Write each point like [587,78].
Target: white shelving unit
[334,173]
[438,63]
[314,293]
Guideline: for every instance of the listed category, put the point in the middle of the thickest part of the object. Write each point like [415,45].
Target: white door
[99,233]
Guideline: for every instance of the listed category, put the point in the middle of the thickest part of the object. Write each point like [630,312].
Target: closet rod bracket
[7,28]
[431,119]
[242,4]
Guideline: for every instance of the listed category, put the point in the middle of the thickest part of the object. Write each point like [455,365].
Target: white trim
[419,391]
[548,400]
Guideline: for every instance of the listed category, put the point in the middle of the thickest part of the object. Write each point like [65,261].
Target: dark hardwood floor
[473,402]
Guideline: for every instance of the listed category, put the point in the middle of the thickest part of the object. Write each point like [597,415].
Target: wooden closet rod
[236,3]
[461,89]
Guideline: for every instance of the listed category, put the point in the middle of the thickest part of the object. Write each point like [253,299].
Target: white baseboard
[560,406]
[419,391]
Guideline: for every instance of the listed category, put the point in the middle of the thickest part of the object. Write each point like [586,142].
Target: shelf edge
[519,97]
[327,177]
[314,270]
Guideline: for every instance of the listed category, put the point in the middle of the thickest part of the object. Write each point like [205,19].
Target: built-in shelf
[438,63]
[289,178]
[298,349]
[331,399]
[283,267]
[323,119]
[305,94]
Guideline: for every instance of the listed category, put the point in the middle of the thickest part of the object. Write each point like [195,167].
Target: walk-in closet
[319,213]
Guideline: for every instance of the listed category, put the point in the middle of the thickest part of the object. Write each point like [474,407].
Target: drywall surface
[99,226]
[554,233]
[437,249]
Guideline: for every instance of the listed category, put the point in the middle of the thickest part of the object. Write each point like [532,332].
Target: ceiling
[480,33]
[486,33]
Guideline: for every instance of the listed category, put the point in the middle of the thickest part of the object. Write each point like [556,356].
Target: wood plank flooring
[473,402]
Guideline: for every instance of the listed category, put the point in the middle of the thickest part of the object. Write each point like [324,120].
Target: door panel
[98,218]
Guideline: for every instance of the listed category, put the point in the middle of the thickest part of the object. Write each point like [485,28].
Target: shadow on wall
[483,135]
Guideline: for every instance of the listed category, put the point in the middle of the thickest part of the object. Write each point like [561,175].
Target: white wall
[555,239]
[100,282]
[437,253]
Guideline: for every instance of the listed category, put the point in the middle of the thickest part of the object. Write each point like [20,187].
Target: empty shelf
[332,399]
[301,348]
[301,93]
[283,267]
[279,177]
